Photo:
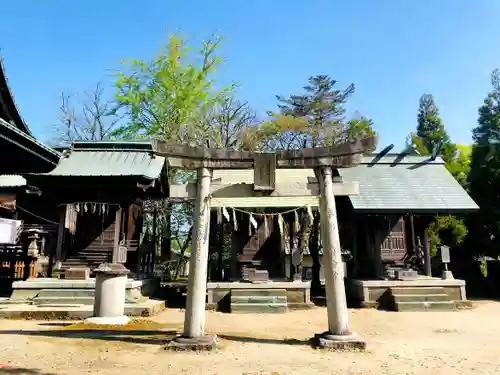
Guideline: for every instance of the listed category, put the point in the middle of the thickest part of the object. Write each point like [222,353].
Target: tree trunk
[182,253]
[314,250]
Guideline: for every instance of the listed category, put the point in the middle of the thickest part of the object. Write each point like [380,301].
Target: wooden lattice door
[393,247]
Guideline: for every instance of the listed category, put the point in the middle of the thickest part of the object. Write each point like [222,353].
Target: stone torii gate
[323,160]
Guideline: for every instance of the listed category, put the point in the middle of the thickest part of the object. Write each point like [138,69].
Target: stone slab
[417,291]
[265,285]
[49,283]
[442,297]
[425,306]
[205,343]
[40,301]
[27,311]
[258,292]
[258,299]
[420,282]
[77,273]
[259,308]
[66,293]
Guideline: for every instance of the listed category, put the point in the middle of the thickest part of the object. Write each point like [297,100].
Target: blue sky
[392,50]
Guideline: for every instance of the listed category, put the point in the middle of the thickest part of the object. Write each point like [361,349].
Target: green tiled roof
[409,184]
[389,183]
[93,159]
[11,180]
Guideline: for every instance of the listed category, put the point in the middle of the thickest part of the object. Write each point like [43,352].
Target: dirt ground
[443,343]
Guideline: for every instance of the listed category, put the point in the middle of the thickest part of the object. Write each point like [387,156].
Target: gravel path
[398,343]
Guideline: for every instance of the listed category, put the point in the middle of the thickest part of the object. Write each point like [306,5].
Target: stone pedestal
[338,334]
[447,275]
[109,301]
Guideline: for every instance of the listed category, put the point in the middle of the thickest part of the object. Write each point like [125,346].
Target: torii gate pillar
[338,334]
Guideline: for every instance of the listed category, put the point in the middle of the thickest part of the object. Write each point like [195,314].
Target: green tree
[431,134]
[484,176]
[314,118]
[430,128]
[170,95]
[174,97]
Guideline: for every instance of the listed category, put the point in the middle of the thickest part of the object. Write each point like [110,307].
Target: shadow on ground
[139,336]
[21,371]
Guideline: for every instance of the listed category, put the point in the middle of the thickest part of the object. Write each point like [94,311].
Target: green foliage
[430,135]
[446,230]
[430,128]
[459,165]
[484,176]
[312,119]
[169,96]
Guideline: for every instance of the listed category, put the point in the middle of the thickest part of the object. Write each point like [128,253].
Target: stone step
[420,297]
[425,306]
[8,301]
[417,290]
[62,301]
[259,308]
[258,299]
[88,257]
[94,251]
[66,293]
[257,292]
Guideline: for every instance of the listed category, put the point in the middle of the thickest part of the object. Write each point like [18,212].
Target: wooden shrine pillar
[427,254]
[116,241]
[59,255]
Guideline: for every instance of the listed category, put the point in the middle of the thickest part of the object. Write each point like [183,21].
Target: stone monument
[109,300]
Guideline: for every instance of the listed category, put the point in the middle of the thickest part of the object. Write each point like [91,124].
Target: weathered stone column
[338,334]
[109,300]
[194,318]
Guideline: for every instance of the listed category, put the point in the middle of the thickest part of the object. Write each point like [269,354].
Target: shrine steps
[56,297]
[87,258]
[255,301]
[421,299]
[46,298]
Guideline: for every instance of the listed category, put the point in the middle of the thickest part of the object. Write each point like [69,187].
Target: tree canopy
[484,176]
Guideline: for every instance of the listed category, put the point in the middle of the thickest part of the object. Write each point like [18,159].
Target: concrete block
[258,308]
[77,273]
[44,301]
[258,299]
[258,292]
[425,306]
[421,297]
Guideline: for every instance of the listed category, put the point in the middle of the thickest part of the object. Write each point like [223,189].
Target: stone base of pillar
[114,321]
[182,343]
[447,275]
[350,341]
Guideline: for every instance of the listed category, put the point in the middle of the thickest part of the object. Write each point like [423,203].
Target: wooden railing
[15,264]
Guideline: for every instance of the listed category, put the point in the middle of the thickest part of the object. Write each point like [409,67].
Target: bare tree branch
[92,119]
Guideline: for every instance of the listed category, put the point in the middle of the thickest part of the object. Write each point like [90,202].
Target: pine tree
[430,135]
[430,129]
[484,176]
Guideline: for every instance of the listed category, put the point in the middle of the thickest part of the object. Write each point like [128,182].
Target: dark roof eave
[8,105]
[17,137]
